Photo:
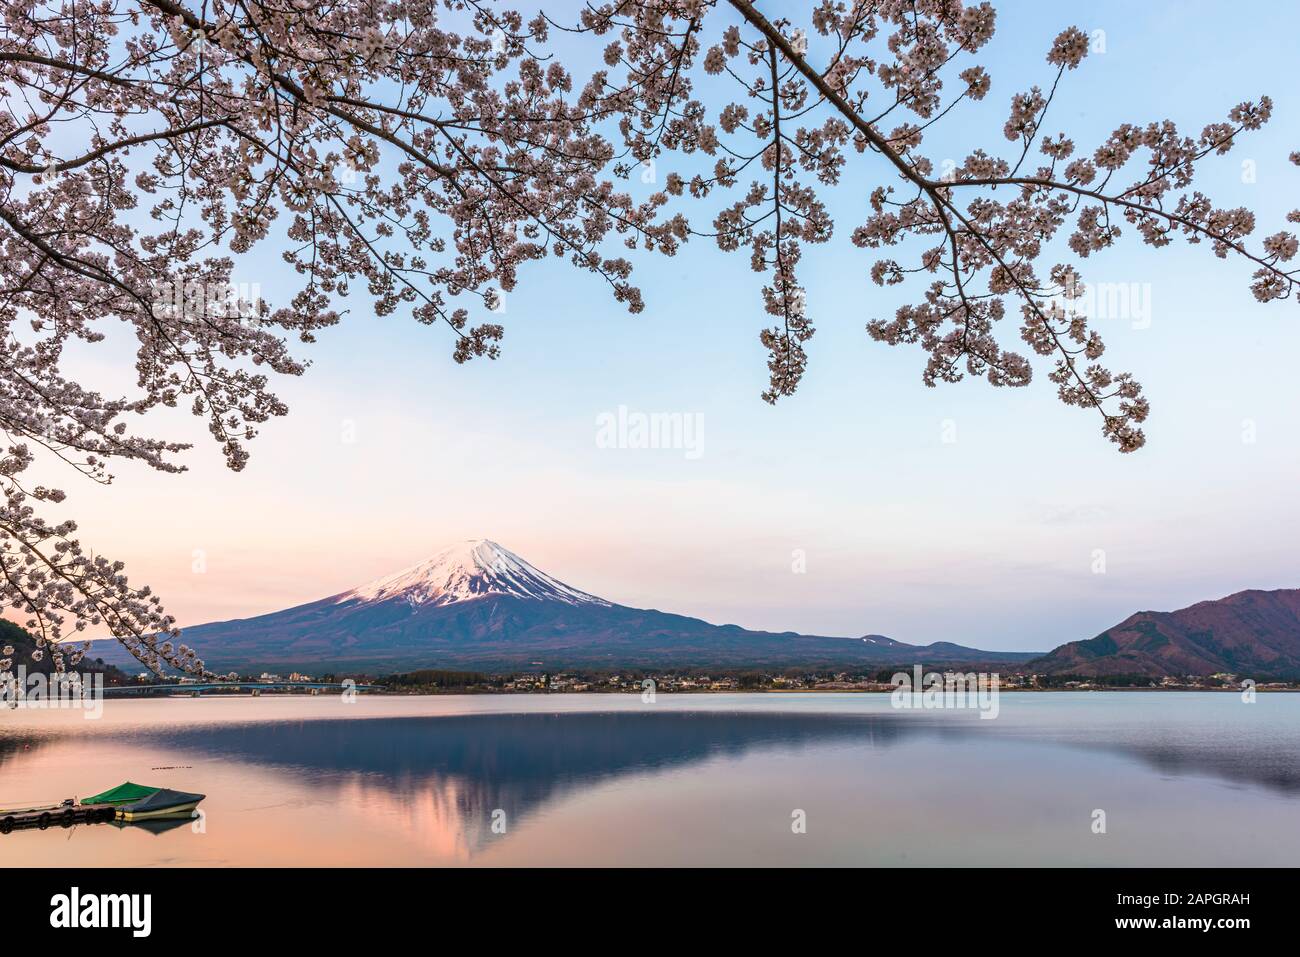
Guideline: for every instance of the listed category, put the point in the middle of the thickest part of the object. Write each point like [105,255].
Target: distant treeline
[1109,681]
[747,680]
[433,678]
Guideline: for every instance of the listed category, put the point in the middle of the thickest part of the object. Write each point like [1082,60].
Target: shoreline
[464,692]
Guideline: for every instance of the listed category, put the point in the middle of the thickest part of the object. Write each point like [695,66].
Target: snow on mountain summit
[469,570]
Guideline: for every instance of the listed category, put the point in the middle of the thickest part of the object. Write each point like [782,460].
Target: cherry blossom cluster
[877,76]
[422,152]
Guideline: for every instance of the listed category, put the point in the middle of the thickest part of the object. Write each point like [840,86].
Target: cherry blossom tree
[427,150]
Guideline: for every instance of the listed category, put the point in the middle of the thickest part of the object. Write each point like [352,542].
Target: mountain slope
[478,605]
[1251,633]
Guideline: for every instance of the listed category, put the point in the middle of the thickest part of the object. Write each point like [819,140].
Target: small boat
[138,802]
[163,803]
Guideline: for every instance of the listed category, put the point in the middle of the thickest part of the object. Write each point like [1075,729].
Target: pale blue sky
[987,541]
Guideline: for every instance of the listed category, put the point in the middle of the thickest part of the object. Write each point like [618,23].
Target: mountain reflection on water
[706,780]
[529,756]
[516,762]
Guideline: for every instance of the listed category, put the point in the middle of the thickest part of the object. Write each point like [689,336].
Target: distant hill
[1252,634]
[478,606]
[24,644]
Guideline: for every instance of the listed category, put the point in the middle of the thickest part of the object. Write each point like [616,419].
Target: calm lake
[1183,779]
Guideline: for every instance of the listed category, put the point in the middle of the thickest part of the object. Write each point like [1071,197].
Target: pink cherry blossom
[422,153]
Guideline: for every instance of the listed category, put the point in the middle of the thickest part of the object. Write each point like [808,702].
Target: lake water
[1183,779]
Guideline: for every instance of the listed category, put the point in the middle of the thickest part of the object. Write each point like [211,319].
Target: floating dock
[126,802]
[55,815]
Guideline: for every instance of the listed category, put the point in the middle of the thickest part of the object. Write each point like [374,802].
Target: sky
[866,503]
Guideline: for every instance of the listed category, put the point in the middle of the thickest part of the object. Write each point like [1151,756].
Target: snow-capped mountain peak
[466,571]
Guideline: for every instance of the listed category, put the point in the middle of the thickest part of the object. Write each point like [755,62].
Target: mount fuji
[478,605]
[468,571]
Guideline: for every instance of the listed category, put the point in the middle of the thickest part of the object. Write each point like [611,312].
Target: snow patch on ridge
[466,571]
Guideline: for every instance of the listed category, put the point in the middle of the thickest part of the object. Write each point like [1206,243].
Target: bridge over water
[313,687]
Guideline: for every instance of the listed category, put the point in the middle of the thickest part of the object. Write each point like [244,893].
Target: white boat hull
[178,810]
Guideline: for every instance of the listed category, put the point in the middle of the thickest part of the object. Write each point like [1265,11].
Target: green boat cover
[122,794]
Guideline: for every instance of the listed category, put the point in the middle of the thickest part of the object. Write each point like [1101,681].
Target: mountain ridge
[1252,631]
[477,605]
